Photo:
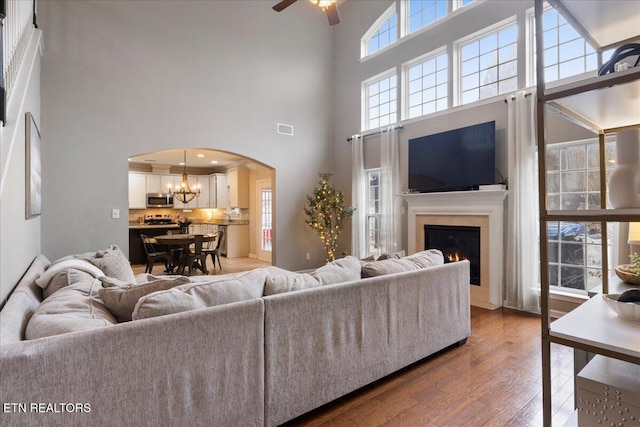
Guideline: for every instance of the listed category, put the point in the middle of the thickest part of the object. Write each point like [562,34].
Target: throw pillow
[46,278]
[121,298]
[70,309]
[280,280]
[428,258]
[394,255]
[113,263]
[341,270]
[63,278]
[423,259]
[223,289]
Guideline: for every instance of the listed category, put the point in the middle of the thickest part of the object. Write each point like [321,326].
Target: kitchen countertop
[224,222]
[149,226]
[137,226]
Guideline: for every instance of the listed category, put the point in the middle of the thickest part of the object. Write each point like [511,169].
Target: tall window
[427,85]
[266,219]
[424,12]
[373,212]
[573,182]
[488,65]
[566,53]
[382,33]
[380,101]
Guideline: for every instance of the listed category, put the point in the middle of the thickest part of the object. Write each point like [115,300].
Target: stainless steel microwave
[159,200]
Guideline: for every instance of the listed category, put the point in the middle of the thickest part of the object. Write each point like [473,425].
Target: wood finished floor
[229,265]
[495,379]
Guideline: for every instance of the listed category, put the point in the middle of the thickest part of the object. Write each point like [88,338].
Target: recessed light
[181,163]
[200,155]
[214,162]
[129,159]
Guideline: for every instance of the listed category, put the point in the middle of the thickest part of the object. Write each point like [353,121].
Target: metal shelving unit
[603,104]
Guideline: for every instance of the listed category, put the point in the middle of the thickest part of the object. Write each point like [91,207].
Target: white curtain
[358,189]
[390,203]
[522,276]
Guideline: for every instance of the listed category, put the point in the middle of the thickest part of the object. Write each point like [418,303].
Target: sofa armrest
[203,367]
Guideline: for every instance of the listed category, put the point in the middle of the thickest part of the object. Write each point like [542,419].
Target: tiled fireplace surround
[484,209]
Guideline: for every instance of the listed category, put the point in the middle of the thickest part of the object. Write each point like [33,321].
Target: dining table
[181,241]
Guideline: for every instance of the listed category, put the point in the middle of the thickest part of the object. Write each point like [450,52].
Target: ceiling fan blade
[332,14]
[283,5]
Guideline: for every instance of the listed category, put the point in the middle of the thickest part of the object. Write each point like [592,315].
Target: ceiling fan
[328,6]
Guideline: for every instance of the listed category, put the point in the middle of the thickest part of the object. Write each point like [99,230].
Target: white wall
[19,237]
[123,78]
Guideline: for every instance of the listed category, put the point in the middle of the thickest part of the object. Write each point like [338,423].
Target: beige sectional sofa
[255,362]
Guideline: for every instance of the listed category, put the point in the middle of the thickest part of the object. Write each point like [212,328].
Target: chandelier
[184,193]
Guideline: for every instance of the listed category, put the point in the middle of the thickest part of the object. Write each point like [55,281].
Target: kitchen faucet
[228,217]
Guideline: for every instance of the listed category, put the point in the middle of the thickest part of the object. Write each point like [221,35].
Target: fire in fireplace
[456,243]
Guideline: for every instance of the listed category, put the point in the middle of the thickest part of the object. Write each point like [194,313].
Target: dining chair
[154,254]
[195,258]
[215,253]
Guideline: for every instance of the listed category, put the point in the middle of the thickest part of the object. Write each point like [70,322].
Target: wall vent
[285,129]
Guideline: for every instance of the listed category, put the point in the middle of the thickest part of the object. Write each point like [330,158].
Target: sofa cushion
[65,277]
[279,280]
[423,259]
[76,307]
[113,263]
[341,270]
[220,290]
[121,298]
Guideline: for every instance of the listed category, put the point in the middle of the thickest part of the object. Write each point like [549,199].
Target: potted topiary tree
[326,214]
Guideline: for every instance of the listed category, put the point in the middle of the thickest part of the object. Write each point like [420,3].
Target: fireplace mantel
[484,207]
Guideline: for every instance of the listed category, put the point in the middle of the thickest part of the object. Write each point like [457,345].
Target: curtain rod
[527,94]
[396,127]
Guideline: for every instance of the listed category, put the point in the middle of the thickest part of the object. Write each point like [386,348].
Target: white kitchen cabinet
[204,200]
[160,183]
[196,229]
[168,181]
[153,184]
[218,191]
[237,240]
[238,183]
[137,190]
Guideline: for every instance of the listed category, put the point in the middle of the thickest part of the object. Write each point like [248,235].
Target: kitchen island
[236,231]
[137,254]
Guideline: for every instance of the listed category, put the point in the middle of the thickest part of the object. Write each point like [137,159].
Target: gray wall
[351,71]
[19,237]
[128,77]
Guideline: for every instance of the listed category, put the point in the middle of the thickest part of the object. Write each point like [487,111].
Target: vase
[624,182]
[185,229]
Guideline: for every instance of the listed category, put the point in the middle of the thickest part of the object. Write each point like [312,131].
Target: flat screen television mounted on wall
[456,160]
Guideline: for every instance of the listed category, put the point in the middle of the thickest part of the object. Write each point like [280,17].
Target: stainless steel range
[159,219]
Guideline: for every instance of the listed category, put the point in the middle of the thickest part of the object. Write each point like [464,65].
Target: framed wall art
[33,194]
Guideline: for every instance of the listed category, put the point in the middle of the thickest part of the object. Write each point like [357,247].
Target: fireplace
[456,243]
[481,209]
